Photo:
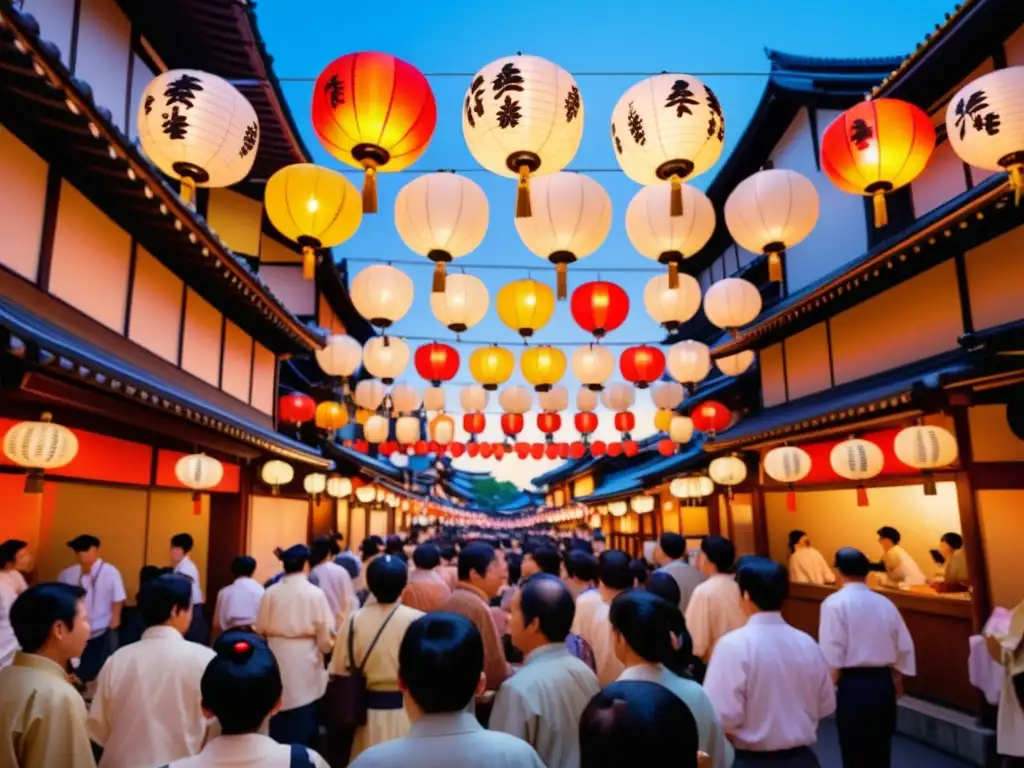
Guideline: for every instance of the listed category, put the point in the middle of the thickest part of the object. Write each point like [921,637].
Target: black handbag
[345,698]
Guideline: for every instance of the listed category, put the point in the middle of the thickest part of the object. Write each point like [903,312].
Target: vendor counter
[940,625]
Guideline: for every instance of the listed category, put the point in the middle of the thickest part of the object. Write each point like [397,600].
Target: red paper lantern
[537,450]
[512,423]
[436,362]
[474,423]
[642,365]
[472,450]
[420,448]
[598,448]
[625,421]
[486,450]
[457,449]
[586,422]
[296,408]
[551,451]
[666,447]
[499,451]
[549,423]
[599,307]
[563,450]
[614,449]
[576,450]
[434,447]
[360,446]
[522,450]
[387,448]
[710,417]
[630,448]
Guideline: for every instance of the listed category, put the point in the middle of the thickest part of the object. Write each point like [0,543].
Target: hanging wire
[695,73]
[506,267]
[509,342]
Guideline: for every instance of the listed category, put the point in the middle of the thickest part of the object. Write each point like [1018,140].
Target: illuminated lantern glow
[926,447]
[770,212]
[599,307]
[617,508]
[331,416]
[491,366]
[642,504]
[667,394]
[474,423]
[407,429]
[618,396]
[692,487]
[625,422]
[341,356]
[199,129]
[573,218]
[689,362]
[549,423]
[859,460]
[200,473]
[515,399]
[381,294]
[314,484]
[369,395]
[662,419]
[710,417]
[405,398]
[276,473]
[296,408]
[436,362]
[433,399]
[366,494]
[554,400]
[598,448]
[522,115]
[314,207]
[442,216]
[876,147]
[38,446]
[525,306]
[585,422]
[732,303]
[375,430]
[671,307]
[385,357]
[787,464]
[542,366]
[577,449]
[666,447]
[642,365]
[586,400]
[512,424]
[593,365]
[339,487]
[375,112]
[473,398]
[462,304]
[727,470]
[665,238]
[734,365]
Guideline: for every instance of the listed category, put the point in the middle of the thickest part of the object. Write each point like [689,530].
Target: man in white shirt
[181,560]
[866,643]
[104,599]
[768,681]
[147,708]
[900,567]
[616,577]
[333,579]
[670,557]
[238,603]
[806,564]
[715,607]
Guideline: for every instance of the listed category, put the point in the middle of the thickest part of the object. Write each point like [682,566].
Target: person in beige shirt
[715,607]
[42,716]
[615,577]
[147,710]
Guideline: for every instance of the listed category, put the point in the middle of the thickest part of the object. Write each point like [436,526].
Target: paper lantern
[433,399]
[985,124]
[549,423]
[366,494]
[618,396]
[625,422]
[375,112]
[642,365]
[710,417]
[407,429]
[787,464]
[585,422]
[491,366]
[665,238]
[405,398]
[442,429]
[679,488]
[314,483]
[515,399]
[330,415]
[376,428]
[525,306]
[296,408]
[441,216]
[462,304]
[926,447]
[671,307]
[771,211]
[572,217]
[199,129]
[857,459]
[667,128]
[875,147]
[198,472]
[314,207]
[586,400]
[436,362]
[385,357]
[692,487]
[642,504]
[38,446]
[593,365]
[617,508]
[727,470]
[473,398]
[522,115]
[680,429]
[542,366]
[732,303]
[599,307]
[734,365]
[276,473]
[338,487]
[667,394]
[554,400]
[341,356]
[512,424]
[381,294]
[662,419]
[689,361]
[474,423]
[369,394]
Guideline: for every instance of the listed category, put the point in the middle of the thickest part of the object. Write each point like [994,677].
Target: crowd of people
[444,648]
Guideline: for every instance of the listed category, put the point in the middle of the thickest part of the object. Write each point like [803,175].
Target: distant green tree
[494,493]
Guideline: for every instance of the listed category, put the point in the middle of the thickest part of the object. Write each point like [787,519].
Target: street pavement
[906,753]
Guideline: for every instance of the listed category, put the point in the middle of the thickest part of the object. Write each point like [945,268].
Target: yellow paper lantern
[663,419]
[525,306]
[331,416]
[491,366]
[542,366]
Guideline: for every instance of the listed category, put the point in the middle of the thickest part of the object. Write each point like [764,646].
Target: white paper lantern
[671,307]
[38,446]
[369,394]
[689,361]
[381,294]
[385,357]
[198,128]
[375,430]
[732,303]
[433,399]
[276,473]
[399,459]
[441,216]
[618,396]
[522,115]
[727,470]
[405,398]
[572,215]
[593,365]
[669,239]
[787,464]
[199,471]
[985,123]
[341,356]
[407,430]
[771,211]
[667,395]
[680,429]
[515,399]
[926,447]
[462,304]
[734,365]
[586,400]
[642,504]
[859,460]
[473,398]
[339,487]
[692,487]
[617,508]
[314,483]
[555,400]
[366,494]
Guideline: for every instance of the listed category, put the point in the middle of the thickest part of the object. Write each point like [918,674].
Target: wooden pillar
[970,524]
[757,506]
[714,518]
[229,533]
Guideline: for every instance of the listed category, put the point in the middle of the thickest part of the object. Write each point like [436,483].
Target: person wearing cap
[241,687]
[104,599]
[239,602]
[15,559]
[333,579]
[181,561]
[806,564]
[866,643]
[296,619]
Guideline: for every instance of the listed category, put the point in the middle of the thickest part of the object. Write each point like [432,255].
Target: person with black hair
[132,624]
[638,566]
[715,606]
[954,576]
[449,568]
[580,572]
[616,577]
[42,716]
[681,661]
[597,542]
[866,643]
[182,545]
[334,580]
[440,673]
[900,567]
[543,701]
[296,619]
[426,590]
[238,603]
[768,681]
[806,564]
[670,557]
[15,559]
[369,641]
[637,723]
[146,710]
[370,547]
[241,688]
[542,558]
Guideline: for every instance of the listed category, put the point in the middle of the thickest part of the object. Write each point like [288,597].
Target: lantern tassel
[439,277]
[673,276]
[881,213]
[523,210]
[791,499]
[370,190]
[308,262]
[862,496]
[1016,182]
[929,484]
[676,197]
[197,503]
[188,191]
[562,280]
[775,267]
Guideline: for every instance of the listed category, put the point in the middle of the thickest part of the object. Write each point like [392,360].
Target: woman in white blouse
[14,559]
[806,564]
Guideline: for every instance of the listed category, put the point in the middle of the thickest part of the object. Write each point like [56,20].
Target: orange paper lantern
[876,147]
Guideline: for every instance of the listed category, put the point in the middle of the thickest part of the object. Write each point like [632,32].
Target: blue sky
[458,36]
